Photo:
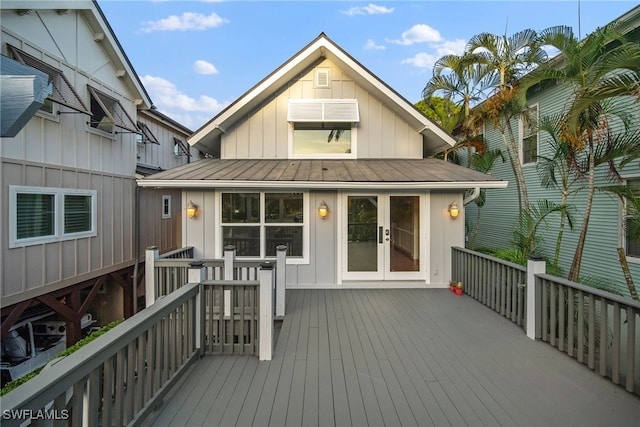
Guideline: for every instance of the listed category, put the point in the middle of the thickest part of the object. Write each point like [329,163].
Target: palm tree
[594,70]
[508,59]
[462,79]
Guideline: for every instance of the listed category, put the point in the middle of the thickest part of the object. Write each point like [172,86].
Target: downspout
[136,244]
[472,197]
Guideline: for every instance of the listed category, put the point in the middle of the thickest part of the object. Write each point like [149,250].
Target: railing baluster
[580,346]
[571,324]
[615,347]
[562,303]
[591,354]
[604,338]
[631,334]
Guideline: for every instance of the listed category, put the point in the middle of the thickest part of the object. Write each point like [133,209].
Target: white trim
[59,234]
[446,185]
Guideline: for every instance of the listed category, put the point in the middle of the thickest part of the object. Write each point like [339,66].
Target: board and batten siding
[265,133]
[35,269]
[499,215]
[64,151]
[162,155]
[154,230]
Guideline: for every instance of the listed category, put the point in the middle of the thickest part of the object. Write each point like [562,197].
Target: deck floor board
[396,357]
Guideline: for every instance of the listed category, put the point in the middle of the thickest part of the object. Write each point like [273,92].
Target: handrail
[595,291]
[76,368]
[179,251]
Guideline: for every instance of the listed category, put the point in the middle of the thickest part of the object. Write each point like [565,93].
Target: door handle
[380,232]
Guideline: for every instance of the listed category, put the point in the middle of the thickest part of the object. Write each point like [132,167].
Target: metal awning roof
[327,174]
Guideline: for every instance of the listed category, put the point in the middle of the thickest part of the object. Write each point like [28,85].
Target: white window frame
[522,128]
[59,234]
[262,224]
[166,213]
[623,218]
[352,155]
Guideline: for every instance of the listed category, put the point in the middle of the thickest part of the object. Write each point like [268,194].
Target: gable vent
[323,110]
[322,77]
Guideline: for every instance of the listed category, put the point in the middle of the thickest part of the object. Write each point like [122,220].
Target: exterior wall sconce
[192,210]
[453,210]
[323,210]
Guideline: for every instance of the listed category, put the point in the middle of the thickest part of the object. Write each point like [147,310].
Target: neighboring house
[607,230]
[324,157]
[71,211]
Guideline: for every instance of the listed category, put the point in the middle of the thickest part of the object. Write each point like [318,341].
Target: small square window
[166,207]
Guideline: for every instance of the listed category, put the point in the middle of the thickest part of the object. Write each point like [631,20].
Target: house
[73,223]
[324,157]
[607,230]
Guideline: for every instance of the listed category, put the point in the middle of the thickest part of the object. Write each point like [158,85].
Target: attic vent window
[323,110]
[63,93]
[180,148]
[322,77]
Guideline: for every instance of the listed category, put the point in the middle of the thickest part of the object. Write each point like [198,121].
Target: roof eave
[333,185]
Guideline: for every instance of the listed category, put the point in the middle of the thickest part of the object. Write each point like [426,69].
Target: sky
[196,57]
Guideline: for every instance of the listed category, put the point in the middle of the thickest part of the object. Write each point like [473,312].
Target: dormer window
[323,128]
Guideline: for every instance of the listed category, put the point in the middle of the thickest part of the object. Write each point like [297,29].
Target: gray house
[607,230]
[324,157]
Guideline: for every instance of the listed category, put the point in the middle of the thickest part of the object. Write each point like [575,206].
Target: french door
[382,238]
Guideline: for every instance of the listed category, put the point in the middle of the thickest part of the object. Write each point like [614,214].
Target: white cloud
[204,67]
[450,47]
[371,45]
[422,60]
[189,111]
[419,33]
[370,9]
[187,21]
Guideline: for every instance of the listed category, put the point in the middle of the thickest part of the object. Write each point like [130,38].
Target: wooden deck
[396,357]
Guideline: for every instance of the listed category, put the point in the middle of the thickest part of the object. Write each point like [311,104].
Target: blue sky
[196,57]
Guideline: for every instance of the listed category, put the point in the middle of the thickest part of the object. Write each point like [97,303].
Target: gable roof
[323,174]
[208,136]
[104,35]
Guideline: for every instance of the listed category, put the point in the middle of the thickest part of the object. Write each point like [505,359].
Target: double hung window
[43,214]
[529,132]
[631,222]
[256,223]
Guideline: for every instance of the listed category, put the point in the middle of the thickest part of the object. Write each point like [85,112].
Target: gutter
[472,197]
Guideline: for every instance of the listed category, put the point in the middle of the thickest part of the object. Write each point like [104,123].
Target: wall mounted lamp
[192,210]
[323,210]
[453,210]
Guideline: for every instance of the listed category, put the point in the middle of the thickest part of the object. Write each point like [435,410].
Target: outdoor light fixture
[323,210]
[192,210]
[453,210]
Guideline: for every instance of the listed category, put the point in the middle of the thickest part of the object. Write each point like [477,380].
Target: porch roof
[327,174]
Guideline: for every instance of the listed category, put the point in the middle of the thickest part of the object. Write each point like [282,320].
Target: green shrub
[92,336]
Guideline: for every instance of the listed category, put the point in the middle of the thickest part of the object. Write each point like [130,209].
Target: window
[180,148]
[321,138]
[323,128]
[631,232]
[166,206]
[256,223]
[63,93]
[42,214]
[529,132]
[107,113]
[146,135]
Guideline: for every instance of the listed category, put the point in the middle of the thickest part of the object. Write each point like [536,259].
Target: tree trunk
[622,257]
[574,272]
[563,219]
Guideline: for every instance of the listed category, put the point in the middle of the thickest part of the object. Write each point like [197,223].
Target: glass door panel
[404,246]
[362,234]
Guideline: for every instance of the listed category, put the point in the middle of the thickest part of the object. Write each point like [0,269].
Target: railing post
[151,255]
[281,278]
[535,265]
[197,274]
[229,259]
[266,312]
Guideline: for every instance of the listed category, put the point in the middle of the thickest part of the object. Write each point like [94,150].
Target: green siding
[600,260]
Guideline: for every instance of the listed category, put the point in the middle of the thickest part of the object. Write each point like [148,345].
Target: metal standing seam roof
[364,171]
